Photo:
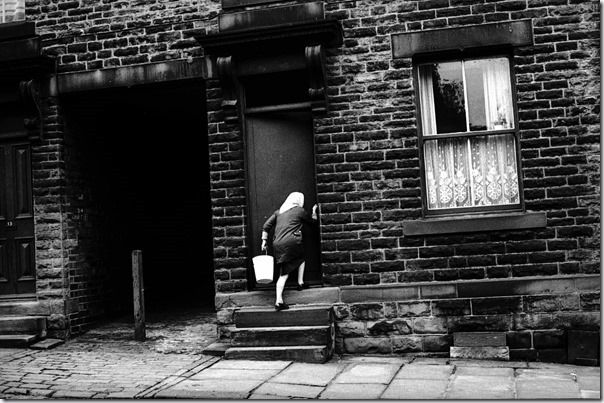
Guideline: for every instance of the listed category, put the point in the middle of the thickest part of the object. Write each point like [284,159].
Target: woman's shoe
[302,286]
[282,306]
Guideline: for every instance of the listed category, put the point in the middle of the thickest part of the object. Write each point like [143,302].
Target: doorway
[280,158]
[145,156]
[17,262]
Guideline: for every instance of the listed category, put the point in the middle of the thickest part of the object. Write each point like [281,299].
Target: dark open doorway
[145,157]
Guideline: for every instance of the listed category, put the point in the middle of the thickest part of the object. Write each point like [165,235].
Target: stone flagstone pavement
[66,372]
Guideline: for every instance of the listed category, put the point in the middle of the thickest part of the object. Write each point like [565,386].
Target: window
[468,136]
[12,10]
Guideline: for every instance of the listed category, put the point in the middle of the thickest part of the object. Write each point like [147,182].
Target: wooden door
[17,266]
[280,153]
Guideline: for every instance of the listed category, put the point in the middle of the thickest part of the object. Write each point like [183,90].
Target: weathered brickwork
[368,164]
[94,34]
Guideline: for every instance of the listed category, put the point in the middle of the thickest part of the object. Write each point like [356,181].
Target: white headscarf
[294,199]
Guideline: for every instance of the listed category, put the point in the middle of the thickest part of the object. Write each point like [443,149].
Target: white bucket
[263,268]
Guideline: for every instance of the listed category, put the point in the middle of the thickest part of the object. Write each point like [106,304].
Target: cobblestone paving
[107,363]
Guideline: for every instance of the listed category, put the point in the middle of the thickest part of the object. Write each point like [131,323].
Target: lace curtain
[471,171]
[12,10]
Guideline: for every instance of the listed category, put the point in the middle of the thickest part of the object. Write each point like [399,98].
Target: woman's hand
[314,211]
[263,247]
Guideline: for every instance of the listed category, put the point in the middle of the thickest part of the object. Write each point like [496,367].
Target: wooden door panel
[280,161]
[4,267]
[3,185]
[17,250]
[25,259]
[22,181]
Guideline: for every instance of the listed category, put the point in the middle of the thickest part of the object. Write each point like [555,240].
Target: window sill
[490,222]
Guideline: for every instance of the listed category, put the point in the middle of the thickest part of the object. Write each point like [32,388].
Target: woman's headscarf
[294,199]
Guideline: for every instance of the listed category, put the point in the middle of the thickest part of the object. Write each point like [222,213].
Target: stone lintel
[266,17]
[516,33]
[129,75]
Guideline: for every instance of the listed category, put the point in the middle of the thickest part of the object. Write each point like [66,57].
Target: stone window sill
[460,224]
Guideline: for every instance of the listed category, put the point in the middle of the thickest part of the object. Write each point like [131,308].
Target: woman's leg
[280,287]
[301,273]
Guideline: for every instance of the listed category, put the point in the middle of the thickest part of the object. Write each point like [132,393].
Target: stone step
[313,354]
[23,325]
[216,349]
[311,315]
[479,339]
[17,340]
[282,336]
[481,353]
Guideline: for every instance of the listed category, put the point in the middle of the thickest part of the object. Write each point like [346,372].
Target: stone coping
[416,291]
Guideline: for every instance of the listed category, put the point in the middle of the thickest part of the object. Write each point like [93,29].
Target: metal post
[139,295]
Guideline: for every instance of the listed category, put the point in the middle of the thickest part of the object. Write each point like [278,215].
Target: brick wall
[367,155]
[368,158]
[94,34]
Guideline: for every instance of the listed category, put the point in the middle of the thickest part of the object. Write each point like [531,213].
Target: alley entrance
[144,160]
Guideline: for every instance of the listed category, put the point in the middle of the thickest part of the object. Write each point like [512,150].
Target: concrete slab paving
[285,390]
[489,363]
[590,394]
[415,389]
[210,389]
[480,387]
[219,373]
[346,391]
[251,364]
[485,371]
[308,374]
[542,388]
[588,382]
[256,396]
[425,371]
[367,373]
[376,359]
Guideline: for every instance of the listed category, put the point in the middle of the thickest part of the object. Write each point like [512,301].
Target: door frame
[29,295]
[248,167]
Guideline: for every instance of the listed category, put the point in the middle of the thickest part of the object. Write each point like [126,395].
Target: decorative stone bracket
[271,49]
[29,95]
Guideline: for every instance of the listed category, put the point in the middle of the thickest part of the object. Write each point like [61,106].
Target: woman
[288,246]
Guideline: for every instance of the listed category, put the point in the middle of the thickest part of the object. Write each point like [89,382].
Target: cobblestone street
[107,363]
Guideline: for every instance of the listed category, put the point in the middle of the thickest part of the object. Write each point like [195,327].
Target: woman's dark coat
[287,242]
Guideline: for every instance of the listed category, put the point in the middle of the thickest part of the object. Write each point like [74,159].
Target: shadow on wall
[139,175]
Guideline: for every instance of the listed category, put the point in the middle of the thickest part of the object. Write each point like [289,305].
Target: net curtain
[471,171]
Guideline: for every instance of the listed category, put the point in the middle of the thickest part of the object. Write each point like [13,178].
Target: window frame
[464,55]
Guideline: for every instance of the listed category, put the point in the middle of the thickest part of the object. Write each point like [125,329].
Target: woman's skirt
[288,267]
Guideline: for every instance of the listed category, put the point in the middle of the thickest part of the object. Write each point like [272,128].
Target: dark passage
[146,150]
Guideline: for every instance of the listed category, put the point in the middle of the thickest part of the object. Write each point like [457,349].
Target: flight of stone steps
[301,333]
[21,331]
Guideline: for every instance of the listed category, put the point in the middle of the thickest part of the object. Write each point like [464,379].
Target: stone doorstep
[281,336]
[46,344]
[17,340]
[216,349]
[316,354]
[296,316]
[10,324]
